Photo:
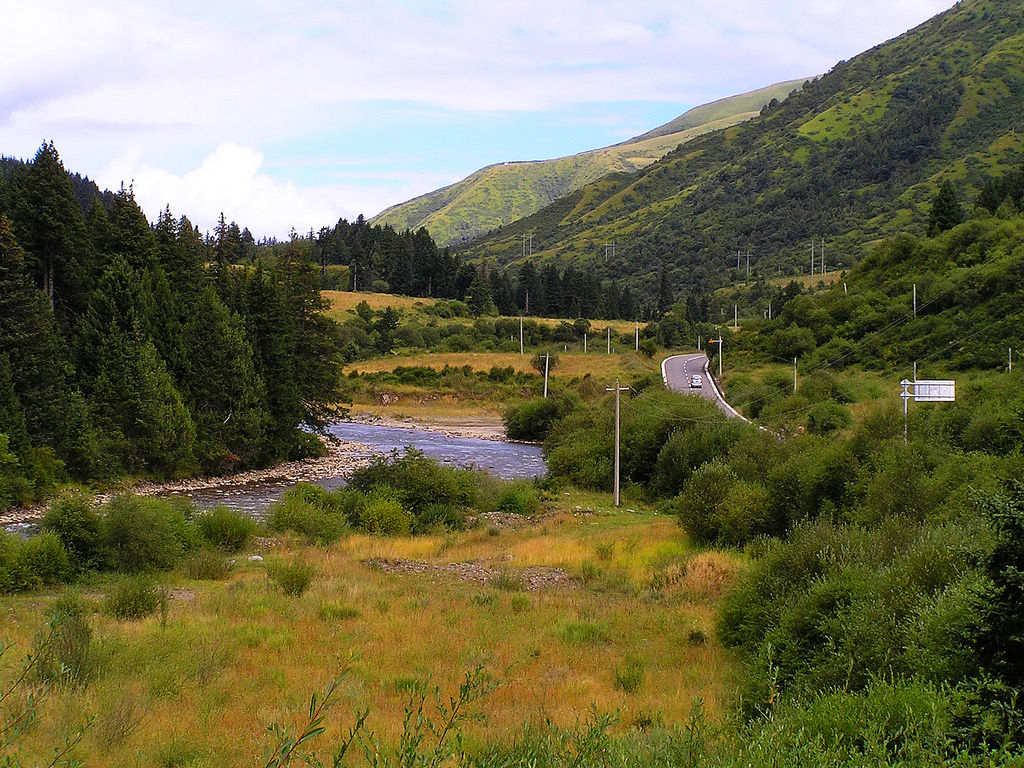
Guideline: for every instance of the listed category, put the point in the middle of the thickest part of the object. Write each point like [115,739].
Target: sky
[294,114]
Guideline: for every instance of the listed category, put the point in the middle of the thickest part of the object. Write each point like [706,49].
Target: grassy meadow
[625,625]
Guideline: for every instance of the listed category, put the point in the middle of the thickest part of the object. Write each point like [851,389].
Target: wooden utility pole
[617,389]
[547,360]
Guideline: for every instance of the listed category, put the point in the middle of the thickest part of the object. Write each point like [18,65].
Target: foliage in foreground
[395,495]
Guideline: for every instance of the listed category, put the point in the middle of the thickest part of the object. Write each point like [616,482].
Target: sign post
[926,391]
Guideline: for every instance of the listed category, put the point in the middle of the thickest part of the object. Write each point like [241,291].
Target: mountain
[853,156]
[498,194]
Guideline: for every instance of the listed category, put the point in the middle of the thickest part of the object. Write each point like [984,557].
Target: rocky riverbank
[480,427]
[341,458]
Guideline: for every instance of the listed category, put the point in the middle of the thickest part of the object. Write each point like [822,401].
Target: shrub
[311,511]
[384,514]
[518,497]
[27,564]
[292,577]
[417,481]
[144,534]
[827,417]
[207,565]
[78,525]
[133,598]
[698,505]
[226,529]
[64,651]
[532,419]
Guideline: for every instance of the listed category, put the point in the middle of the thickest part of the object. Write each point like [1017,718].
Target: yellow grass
[240,655]
[571,364]
[342,301]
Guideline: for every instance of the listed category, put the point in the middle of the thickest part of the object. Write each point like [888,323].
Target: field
[572,364]
[342,301]
[622,620]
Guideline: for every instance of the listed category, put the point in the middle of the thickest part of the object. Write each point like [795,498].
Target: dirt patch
[530,578]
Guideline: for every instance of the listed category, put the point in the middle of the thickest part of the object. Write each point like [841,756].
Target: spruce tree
[946,210]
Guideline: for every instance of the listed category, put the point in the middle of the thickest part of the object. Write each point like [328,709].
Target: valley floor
[582,606]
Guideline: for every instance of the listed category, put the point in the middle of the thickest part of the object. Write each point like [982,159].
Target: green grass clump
[334,611]
[133,598]
[629,675]
[292,577]
[207,565]
[506,581]
[585,633]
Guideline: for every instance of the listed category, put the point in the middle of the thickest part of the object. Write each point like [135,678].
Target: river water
[505,460]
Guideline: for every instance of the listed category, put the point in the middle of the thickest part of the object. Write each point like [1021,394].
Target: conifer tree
[946,210]
[50,226]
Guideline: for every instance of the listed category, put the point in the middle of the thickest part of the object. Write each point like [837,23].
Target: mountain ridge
[466,209]
[854,156]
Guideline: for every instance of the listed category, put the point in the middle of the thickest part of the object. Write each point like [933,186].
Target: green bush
[226,529]
[416,481]
[703,494]
[518,497]
[133,598]
[78,525]
[292,577]
[314,513]
[144,534]
[827,417]
[384,514]
[27,564]
[64,651]
[531,420]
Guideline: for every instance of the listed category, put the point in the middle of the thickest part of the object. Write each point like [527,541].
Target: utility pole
[617,389]
[812,257]
[823,257]
[719,340]
[546,361]
[769,310]
[698,343]
[584,342]
[520,334]
[794,375]
[608,330]
[915,299]
[636,345]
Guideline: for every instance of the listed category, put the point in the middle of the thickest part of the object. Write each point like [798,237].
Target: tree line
[131,349]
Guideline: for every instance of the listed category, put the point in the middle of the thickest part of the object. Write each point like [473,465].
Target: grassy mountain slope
[856,155]
[498,194]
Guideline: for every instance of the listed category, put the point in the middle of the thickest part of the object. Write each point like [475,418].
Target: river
[503,459]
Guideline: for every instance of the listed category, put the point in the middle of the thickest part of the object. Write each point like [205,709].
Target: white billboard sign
[934,391]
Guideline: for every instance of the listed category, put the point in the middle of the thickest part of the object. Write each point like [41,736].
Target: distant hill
[855,155]
[498,194]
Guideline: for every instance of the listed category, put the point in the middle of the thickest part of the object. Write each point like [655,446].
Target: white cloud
[154,86]
[228,181]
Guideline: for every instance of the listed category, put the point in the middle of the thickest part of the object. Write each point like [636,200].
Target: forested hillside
[128,349]
[502,193]
[853,156]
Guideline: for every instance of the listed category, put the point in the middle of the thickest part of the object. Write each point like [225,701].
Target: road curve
[677,370]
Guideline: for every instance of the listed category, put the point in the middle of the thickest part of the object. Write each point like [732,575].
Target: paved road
[677,370]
